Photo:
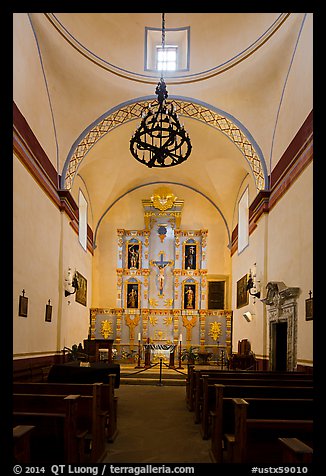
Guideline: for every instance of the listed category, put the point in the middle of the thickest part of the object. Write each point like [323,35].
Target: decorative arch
[185,107]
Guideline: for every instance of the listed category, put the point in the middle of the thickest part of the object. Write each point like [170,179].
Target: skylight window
[176,54]
[166,58]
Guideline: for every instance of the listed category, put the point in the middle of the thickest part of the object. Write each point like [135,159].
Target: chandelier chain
[160,140]
[163,31]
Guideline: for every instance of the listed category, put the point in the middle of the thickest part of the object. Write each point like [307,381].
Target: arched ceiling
[93,66]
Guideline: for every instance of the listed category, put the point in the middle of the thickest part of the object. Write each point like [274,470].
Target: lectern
[93,346]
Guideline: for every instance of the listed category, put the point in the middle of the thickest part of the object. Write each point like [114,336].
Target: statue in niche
[189,297]
[190,257]
[132,301]
[133,256]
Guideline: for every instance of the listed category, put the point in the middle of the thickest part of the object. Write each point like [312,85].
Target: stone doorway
[282,317]
[279,342]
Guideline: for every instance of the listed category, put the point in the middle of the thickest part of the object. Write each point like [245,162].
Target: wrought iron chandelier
[160,140]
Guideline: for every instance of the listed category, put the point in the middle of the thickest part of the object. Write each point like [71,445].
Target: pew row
[252,428]
[107,398]
[245,380]
[196,371]
[68,428]
[243,389]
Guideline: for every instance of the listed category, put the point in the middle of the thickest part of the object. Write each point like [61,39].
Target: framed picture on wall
[81,293]
[48,312]
[23,306]
[309,309]
[242,293]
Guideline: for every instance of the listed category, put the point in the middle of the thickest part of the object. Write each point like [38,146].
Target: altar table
[159,348]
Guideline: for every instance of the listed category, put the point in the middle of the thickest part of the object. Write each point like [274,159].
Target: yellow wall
[290,251]
[44,246]
[282,247]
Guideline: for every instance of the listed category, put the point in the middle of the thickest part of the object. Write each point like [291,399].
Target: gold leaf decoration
[167,321]
[153,302]
[106,328]
[153,320]
[215,330]
[163,199]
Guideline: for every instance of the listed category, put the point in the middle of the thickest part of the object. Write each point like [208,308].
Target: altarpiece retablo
[161,281]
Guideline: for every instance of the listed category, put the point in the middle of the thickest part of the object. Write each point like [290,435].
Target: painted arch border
[186,107]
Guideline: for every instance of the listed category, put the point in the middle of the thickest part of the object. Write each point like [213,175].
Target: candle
[139,337]
[180,338]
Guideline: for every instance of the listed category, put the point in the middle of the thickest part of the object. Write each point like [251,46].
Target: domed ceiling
[228,97]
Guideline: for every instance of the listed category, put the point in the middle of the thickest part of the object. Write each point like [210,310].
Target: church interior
[163,199]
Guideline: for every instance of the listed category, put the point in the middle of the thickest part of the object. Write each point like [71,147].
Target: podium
[94,346]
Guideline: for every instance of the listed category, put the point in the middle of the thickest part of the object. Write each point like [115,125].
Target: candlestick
[139,336]
[180,353]
[138,366]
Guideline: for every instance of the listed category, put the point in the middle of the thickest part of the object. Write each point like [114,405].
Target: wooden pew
[77,420]
[108,400]
[260,388]
[22,443]
[245,380]
[216,372]
[258,425]
[55,438]
[295,451]
[222,418]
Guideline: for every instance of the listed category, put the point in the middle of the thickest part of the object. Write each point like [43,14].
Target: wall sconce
[248,316]
[251,284]
[71,283]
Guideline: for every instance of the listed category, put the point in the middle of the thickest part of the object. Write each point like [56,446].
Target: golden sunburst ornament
[215,330]
[167,321]
[153,320]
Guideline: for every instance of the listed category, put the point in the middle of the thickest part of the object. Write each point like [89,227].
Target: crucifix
[161,264]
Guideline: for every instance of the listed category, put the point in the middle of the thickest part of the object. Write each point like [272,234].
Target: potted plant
[73,352]
[190,354]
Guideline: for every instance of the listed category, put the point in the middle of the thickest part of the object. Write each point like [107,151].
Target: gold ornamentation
[167,321]
[106,328]
[153,302]
[153,320]
[215,330]
[168,302]
[189,324]
[163,199]
[132,323]
[159,335]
